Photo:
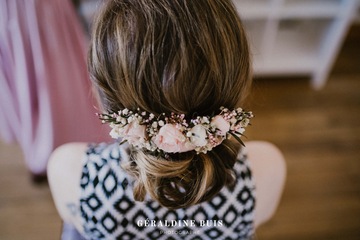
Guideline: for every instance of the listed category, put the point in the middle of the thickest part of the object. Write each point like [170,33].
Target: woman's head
[178,56]
[183,56]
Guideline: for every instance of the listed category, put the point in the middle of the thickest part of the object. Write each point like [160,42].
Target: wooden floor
[318,132]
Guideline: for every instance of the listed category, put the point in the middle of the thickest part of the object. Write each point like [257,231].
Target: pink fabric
[45,93]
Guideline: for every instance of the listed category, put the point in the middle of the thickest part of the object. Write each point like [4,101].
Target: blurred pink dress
[45,93]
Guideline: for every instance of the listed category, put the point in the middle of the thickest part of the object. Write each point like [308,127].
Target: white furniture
[296,37]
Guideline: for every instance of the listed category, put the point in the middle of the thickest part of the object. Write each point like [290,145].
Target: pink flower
[171,140]
[220,123]
[134,133]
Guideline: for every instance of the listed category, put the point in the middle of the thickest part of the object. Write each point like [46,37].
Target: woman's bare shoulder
[66,161]
[64,174]
[68,150]
[269,171]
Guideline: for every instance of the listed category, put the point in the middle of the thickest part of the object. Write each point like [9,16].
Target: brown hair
[180,56]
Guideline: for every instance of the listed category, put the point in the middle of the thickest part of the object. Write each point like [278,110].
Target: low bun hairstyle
[183,56]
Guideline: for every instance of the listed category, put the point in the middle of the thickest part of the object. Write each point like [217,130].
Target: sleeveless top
[109,211]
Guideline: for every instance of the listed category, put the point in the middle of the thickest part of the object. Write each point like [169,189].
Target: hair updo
[183,56]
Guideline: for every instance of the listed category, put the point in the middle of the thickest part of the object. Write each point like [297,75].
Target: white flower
[198,137]
[239,129]
[245,122]
[205,120]
[220,123]
[115,131]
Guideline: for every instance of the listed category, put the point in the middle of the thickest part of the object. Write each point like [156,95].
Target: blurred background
[306,100]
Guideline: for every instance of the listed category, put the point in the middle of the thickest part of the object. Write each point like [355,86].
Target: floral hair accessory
[174,133]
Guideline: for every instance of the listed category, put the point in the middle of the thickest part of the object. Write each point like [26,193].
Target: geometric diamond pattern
[184,231]
[218,201]
[230,216]
[153,205]
[109,184]
[155,234]
[93,202]
[109,222]
[171,215]
[243,228]
[124,223]
[213,233]
[109,211]
[244,195]
[123,205]
[96,233]
[197,238]
[126,236]
[139,216]
[124,183]
[199,215]
[85,177]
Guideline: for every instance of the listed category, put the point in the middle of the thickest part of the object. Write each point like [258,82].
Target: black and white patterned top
[109,211]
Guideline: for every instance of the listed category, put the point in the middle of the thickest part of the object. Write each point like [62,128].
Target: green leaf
[237,139]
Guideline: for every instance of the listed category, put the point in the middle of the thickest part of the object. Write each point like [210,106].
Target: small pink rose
[171,140]
[220,123]
[134,133]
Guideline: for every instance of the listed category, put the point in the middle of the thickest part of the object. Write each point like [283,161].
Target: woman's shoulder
[67,151]
[64,173]
[66,159]
[269,171]
[65,169]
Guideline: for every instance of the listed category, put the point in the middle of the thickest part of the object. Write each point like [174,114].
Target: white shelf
[296,37]
[298,44]
[252,9]
[288,37]
[280,67]
[311,8]
[255,31]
